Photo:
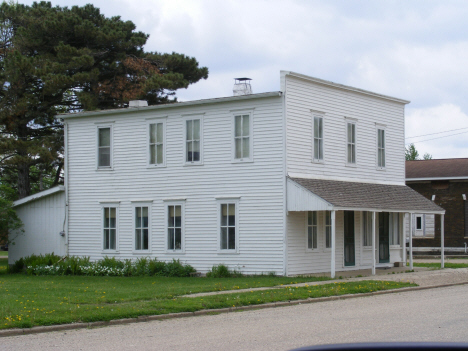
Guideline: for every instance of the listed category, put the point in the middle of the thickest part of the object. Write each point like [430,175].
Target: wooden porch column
[373,242]
[333,246]
[442,258]
[411,242]
[403,239]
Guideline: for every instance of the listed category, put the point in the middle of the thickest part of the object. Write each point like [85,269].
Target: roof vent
[138,103]
[242,86]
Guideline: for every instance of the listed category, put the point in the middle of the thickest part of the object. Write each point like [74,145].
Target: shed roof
[39,195]
[450,168]
[379,197]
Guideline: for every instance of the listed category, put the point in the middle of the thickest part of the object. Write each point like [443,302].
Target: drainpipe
[65,183]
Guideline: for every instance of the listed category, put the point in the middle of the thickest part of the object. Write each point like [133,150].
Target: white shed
[43,217]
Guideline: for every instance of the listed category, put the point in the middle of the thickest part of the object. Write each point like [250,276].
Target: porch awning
[320,195]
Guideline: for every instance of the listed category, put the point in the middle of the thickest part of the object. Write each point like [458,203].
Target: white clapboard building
[307,179]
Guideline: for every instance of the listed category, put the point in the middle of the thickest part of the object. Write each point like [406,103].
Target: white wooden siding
[427,230]
[335,105]
[42,223]
[259,184]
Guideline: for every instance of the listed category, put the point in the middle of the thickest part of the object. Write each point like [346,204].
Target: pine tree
[60,59]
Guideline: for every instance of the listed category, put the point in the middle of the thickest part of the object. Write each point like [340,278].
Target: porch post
[373,243]
[333,246]
[442,255]
[403,239]
[411,242]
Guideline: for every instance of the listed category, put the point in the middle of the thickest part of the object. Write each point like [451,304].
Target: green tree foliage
[411,154]
[9,221]
[59,59]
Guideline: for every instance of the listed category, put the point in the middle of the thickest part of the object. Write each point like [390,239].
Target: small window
[104,147]
[328,227]
[156,143]
[351,143]
[228,226]
[367,228]
[110,228]
[242,137]
[193,140]
[318,138]
[312,230]
[174,227]
[141,228]
[381,148]
[419,223]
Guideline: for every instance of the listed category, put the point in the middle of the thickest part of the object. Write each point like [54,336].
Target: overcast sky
[414,50]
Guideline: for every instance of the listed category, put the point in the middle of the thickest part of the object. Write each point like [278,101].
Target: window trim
[233,136]
[314,159]
[136,204]
[111,154]
[150,121]
[166,227]
[105,205]
[353,122]
[381,128]
[225,201]
[185,119]
[317,225]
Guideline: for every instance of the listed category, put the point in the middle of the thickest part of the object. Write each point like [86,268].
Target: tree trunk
[24,188]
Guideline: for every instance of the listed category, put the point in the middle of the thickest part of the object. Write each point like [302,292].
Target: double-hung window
[312,230]
[351,142]
[156,143]
[109,228]
[318,138]
[175,227]
[193,140]
[228,226]
[394,228]
[328,228]
[104,147]
[367,228]
[141,228]
[381,148]
[243,137]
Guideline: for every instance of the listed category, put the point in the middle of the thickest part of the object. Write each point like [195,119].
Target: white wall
[42,223]
[259,184]
[304,98]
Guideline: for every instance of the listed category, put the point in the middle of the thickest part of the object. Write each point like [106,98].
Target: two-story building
[307,179]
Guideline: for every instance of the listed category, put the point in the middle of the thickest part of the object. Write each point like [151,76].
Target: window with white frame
[109,228]
[104,147]
[381,148]
[228,226]
[156,143]
[367,228]
[174,227]
[312,229]
[141,228]
[242,137]
[394,228]
[318,138]
[193,140]
[351,142]
[328,228]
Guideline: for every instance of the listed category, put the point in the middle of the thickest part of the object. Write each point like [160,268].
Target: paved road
[427,315]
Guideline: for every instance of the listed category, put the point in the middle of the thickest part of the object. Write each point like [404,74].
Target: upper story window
[318,139]
[156,143]
[193,140]
[351,142]
[104,147]
[243,137]
[381,148]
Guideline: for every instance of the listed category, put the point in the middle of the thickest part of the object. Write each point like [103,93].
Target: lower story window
[110,228]
[328,229]
[141,228]
[367,228]
[228,226]
[174,227]
[312,230]
[394,228]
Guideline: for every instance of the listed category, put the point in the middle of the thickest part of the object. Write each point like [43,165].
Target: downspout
[65,183]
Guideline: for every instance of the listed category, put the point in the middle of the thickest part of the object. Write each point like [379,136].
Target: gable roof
[39,195]
[369,196]
[450,168]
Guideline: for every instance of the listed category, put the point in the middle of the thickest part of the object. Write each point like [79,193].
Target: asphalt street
[427,315]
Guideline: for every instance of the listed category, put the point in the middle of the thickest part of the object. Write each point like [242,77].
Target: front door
[349,256]
[384,248]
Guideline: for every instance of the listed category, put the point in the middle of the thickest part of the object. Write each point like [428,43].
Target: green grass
[3,253]
[26,301]
[437,265]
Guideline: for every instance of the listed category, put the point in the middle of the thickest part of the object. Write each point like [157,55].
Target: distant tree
[427,156]
[411,154]
[59,59]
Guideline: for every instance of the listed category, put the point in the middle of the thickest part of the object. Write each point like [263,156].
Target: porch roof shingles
[368,195]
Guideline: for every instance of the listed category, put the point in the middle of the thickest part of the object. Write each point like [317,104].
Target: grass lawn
[3,253]
[26,301]
[437,265]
